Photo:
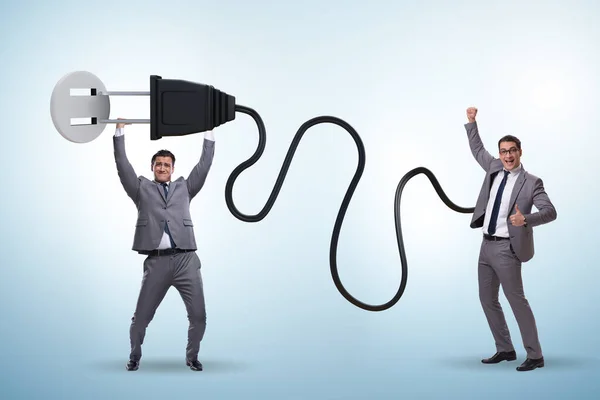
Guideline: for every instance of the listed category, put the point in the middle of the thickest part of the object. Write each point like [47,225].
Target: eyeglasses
[512,151]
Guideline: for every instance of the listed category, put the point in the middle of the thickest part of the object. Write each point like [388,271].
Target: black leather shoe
[133,365]
[530,364]
[500,356]
[194,365]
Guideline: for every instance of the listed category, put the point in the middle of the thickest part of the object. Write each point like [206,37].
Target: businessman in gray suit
[504,212]
[164,232]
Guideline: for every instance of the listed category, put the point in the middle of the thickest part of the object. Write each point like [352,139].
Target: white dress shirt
[501,224]
[165,242]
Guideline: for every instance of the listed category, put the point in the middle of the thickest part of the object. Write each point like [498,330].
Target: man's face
[510,155]
[162,168]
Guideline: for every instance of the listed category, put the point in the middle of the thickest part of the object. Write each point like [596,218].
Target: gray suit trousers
[498,265]
[181,270]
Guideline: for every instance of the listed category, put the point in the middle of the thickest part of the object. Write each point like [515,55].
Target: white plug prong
[96,92]
[128,93]
[124,121]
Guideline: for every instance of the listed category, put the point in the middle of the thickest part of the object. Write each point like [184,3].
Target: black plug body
[179,107]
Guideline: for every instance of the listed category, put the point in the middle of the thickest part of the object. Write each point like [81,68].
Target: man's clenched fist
[471,113]
[517,219]
[122,124]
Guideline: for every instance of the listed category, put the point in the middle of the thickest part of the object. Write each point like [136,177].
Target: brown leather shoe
[500,356]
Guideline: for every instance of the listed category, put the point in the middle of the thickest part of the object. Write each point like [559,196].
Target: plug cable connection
[179,107]
[344,206]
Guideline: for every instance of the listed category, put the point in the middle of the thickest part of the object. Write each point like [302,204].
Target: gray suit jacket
[154,211]
[528,191]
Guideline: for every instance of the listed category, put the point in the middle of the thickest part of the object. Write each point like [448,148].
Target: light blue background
[402,73]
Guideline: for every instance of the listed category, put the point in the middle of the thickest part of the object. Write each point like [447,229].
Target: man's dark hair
[164,153]
[510,138]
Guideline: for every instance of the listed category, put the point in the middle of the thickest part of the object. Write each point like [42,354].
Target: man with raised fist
[504,212]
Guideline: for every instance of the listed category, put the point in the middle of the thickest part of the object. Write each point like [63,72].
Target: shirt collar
[515,171]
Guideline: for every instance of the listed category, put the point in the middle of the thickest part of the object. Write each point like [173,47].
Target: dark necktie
[166,189]
[496,209]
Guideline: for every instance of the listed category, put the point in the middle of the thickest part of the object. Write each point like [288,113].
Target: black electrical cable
[340,217]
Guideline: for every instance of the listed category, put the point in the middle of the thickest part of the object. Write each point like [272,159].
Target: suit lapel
[516,189]
[172,188]
[493,172]
[161,191]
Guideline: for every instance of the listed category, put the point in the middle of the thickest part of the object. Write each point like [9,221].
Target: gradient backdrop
[402,73]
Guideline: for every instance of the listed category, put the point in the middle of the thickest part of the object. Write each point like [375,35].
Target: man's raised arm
[482,156]
[197,176]
[127,175]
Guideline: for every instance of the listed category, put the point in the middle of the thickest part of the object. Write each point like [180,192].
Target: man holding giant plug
[504,212]
[164,233]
